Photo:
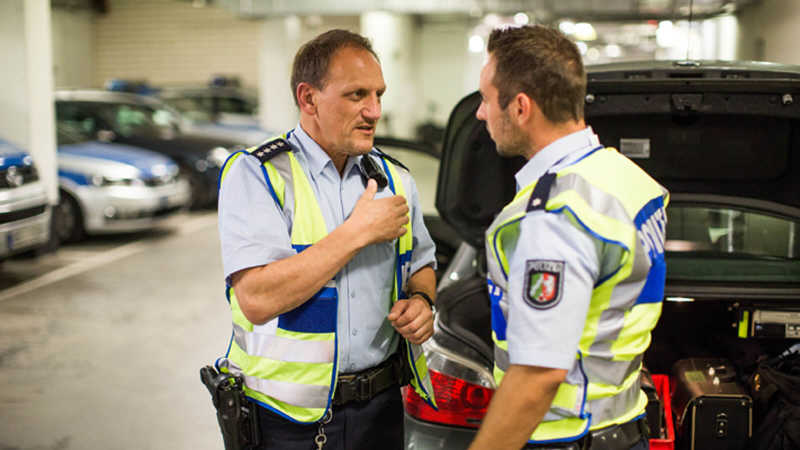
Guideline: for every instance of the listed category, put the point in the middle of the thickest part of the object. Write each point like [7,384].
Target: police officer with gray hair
[329,267]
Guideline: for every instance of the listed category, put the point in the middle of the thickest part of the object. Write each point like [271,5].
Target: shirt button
[355,332]
[353,294]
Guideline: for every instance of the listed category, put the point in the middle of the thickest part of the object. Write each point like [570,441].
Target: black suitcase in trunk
[714,410]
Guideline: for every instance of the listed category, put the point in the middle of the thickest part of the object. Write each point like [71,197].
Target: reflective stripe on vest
[290,363]
[420,381]
[627,211]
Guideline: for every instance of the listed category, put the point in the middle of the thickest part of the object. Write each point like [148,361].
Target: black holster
[237,417]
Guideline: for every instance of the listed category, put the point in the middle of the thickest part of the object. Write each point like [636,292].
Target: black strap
[541,193]
[424,296]
[392,160]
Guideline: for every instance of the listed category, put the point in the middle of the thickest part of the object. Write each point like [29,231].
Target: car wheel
[196,188]
[67,219]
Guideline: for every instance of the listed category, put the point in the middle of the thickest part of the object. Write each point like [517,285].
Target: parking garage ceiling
[544,11]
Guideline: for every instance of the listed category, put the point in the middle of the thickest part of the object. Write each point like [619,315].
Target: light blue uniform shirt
[255,232]
[549,337]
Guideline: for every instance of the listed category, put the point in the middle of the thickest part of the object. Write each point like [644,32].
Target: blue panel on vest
[498,321]
[653,291]
[299,247]
[317,315]
[404,264]
[651,224]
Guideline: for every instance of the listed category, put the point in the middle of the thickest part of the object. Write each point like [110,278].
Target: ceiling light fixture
[476,44]
[613,51]
[585,31]
[521,18]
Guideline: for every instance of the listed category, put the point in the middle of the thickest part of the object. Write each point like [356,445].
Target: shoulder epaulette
[380,153]
[271,148]
[541,192]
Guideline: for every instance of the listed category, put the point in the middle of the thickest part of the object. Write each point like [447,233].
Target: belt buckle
[365,387]
[355,388]
[346,388]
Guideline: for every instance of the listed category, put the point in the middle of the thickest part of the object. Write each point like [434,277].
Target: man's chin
[507,152]
[363,145]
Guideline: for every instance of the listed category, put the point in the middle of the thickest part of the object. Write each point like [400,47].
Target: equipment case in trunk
[714,410]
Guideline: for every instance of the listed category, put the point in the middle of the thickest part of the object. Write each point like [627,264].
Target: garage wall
[446,71]
[14,105]
[768,31]
[169,42]
[73,48]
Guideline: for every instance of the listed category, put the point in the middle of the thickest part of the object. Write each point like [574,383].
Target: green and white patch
[544,280]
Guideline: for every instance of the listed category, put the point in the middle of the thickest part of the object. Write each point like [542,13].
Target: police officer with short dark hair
[329,267]
[575,262]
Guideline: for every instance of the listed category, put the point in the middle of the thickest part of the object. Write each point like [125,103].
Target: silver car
[108,188]
[24,212]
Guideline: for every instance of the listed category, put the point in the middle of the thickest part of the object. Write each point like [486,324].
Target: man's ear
[522,108]
[306,98]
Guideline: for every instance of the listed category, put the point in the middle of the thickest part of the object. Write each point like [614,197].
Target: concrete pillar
[280,40]
[26,97]
[768,31]
[392,37]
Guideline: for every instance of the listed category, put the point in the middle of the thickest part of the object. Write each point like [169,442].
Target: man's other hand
[413,319]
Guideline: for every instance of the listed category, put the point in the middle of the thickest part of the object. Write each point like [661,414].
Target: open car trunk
[719,134]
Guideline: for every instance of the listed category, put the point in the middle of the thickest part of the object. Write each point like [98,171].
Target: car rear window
[724,243]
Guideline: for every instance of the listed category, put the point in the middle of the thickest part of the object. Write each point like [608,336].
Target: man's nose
[372,109]
[480,114]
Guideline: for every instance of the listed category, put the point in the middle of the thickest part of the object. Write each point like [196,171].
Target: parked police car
[218,111]
[724,138]
[24,211]
[146,122]
[107,188]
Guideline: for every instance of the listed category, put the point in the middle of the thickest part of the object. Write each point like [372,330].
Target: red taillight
[460,403]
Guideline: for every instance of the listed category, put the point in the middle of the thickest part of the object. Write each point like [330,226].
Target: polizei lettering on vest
[651,232]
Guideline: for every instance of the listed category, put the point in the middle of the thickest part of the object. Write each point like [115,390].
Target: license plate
[22,237]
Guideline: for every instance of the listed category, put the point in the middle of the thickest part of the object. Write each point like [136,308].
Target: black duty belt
[362,386]
[615,437]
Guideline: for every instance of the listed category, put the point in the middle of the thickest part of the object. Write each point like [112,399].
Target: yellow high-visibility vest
[625,211]
[290,364]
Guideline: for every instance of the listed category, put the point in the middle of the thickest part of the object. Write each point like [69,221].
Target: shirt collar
[317,158]
[577,142]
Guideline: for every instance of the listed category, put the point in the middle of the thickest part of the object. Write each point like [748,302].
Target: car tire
[198,196]
[67,219]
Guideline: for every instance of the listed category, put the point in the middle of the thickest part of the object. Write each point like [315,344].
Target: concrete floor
[102,351]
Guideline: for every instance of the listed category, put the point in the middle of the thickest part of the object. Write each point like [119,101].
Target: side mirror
[106,135]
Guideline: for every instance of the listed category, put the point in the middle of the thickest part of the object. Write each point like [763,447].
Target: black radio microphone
[369,169]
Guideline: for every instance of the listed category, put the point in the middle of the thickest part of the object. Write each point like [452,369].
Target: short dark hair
[542,63]
[313,59]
